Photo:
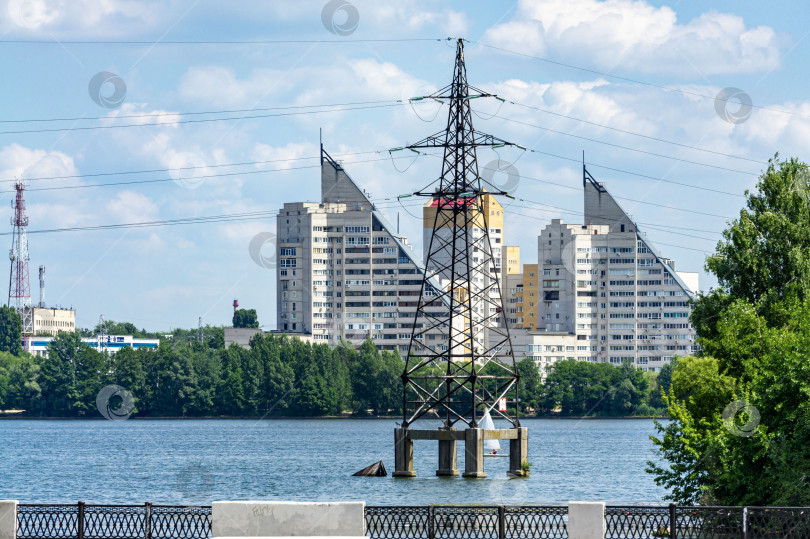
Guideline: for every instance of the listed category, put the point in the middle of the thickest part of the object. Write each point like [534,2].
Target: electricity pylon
[474,370]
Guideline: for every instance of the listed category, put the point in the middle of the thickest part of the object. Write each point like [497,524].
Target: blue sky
[162,277]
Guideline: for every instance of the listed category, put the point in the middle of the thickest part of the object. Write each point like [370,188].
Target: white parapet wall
[288,519]
[8,519]
[586,520]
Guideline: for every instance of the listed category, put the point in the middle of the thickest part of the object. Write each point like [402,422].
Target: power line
[170,222]
[627,79]
[625,147]
[217,42]
[625,131]
[147,171]
[231,111]
[506,210]
[88,128]
[207,176]
[622,171]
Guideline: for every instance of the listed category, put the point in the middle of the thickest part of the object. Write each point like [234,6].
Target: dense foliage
[280,375]
[10,331]
[276,376]
[740,429]
[245,318]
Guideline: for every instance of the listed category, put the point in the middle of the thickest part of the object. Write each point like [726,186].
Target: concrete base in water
[403,454]
[448,456]
[473,450]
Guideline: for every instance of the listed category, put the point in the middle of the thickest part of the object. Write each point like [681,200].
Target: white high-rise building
[606,285]
[344,271]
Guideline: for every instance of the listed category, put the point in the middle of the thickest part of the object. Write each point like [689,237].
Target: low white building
[38,345]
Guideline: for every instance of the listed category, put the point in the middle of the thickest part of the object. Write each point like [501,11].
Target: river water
[197,461]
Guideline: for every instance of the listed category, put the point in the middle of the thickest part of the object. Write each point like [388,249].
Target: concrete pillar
[474,453]
[448,457]
[586,520]
[403,454]
[518,452]
[8,519]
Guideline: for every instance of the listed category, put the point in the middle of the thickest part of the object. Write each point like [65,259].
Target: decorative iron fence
[467,522]
[82,521]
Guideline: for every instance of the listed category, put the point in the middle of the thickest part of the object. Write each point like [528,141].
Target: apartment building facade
[607,286]
[345,273]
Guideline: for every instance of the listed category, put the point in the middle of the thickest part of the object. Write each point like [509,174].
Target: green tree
[529,387]
[323,386]
[71,376]
[245,318]
[376,380]
[277,378]
[10,331]
[739,432]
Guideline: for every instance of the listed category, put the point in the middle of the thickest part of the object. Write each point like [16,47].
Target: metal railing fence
[148,521]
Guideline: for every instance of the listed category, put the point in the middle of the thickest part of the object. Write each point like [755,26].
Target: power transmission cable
[147,171]
[293,107]
[628,132]
[216,42]
[201,120]
[630,80]
[657,243]
[203,177]
[512,120]
[171,222]
[201,112]
[622,171]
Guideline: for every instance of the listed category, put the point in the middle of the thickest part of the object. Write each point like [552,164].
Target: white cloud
[131,207]
[638,36]
[17,161]
[287,156]
[97,17]
[354,80]
[139,114]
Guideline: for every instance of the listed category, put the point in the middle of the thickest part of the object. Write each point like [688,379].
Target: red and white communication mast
[19,287]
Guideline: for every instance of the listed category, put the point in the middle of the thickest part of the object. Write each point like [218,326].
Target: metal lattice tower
[102,338]
[477,369]
[19,286]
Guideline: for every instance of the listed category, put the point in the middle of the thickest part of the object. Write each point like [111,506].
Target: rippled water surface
[196,461]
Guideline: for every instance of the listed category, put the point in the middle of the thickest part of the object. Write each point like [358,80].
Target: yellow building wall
[531,296]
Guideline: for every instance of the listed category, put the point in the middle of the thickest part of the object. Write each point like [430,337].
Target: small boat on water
[490,445]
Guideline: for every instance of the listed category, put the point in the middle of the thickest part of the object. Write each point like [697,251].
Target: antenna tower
[102,336]
[19,287]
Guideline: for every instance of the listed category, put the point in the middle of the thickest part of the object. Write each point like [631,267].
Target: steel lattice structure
[19,287]
[476,369]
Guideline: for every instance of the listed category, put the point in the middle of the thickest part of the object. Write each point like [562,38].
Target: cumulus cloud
[17,161]
[129,206]
[638,36]
[292,154]
[99,17]
[354,80]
